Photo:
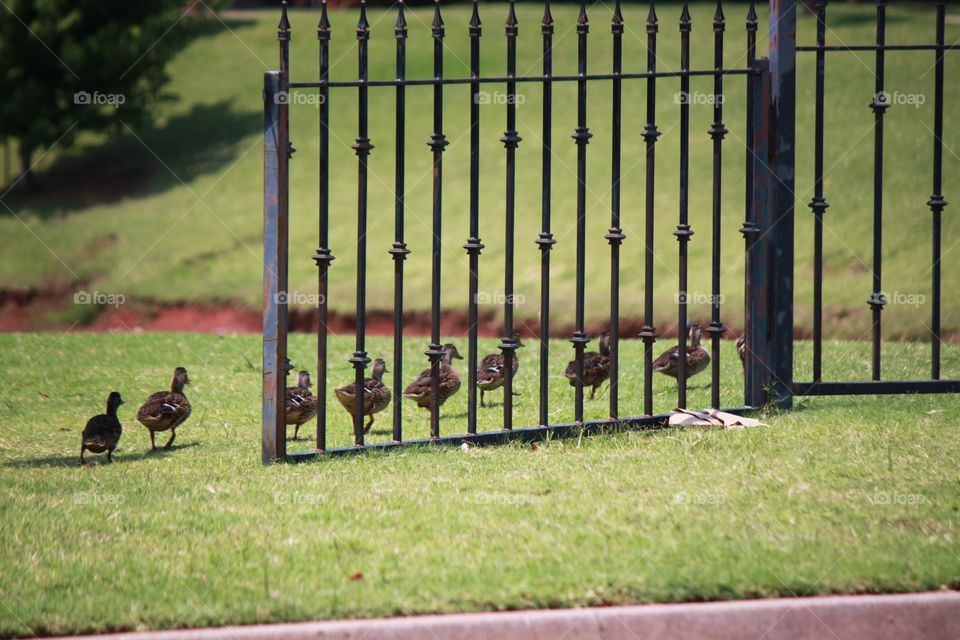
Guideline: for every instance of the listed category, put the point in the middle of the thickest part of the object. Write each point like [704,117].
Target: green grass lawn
[841,495]
[179,217]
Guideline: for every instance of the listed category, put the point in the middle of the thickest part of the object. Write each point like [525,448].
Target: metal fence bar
[879,105]
[399,250]
[615,234]
[437,143]
[937,201]
[683,231]
[473,245]
[717,132]
[511,141]
[582,137]
[648,333]
[545,240]
[818,204]
[362,147]
[323,256]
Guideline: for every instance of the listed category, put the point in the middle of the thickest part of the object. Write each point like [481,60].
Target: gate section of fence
[879,104]
[768,175]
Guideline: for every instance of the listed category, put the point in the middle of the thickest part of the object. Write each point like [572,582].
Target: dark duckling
[102,432]
[697,357]
[376,395]
[166,410]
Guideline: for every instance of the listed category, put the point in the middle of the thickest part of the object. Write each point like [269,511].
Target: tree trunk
[26,182]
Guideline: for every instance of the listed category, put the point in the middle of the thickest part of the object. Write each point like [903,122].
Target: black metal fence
[767,228]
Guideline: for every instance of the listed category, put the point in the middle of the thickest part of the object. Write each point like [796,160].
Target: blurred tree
[83,65]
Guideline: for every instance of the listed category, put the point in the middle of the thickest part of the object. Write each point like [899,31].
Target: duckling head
[303,379]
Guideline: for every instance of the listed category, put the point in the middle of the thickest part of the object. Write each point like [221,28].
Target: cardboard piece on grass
[711,418]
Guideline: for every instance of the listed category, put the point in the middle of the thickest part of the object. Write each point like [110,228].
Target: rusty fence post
[275,209]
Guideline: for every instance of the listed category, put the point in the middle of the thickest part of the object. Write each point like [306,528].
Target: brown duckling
[490,373]
[420,389]
[596,366]
[376,395]
[102,432]
[697,357]
[301,403]
[165,410]
[742,349]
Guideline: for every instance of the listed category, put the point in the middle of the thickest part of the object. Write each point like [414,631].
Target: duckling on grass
[596,366]
[376,395]
[697,357]
[420,389]
[491,371]
[301,403]
[166,410]
[102,432]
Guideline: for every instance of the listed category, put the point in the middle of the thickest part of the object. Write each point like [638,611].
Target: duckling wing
[164,408]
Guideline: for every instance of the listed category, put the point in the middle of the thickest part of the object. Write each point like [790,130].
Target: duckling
[376,395]
[301,403]
[419,389]
[697,357]
[166,409]
[596,366]
[742,349]
[490,372]
[102,432]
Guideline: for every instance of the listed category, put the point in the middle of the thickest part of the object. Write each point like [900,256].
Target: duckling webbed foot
[173,436]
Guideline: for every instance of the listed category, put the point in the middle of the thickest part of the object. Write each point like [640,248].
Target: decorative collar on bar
[686,23]
[719,20]
[937,203]
[400,26]
[819,204]
[512,24]
[653,24]
[323,256]
[399,251]
[363,27]
[511,140]
[473,246]
[582,135]
[323,27]
[436,26]
[717,131]
[546,24]
[880,103]
[545,241]
[877,300]
[583,26]
[616,24]
[283,29]
[615,236]
[475,26]
[750,230]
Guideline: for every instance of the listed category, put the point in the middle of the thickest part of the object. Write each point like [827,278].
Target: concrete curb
[921,616]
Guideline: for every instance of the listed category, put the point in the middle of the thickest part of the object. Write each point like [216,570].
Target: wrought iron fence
[767,229]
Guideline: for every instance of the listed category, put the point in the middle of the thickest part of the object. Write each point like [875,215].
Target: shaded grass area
[841,495]
[183,207]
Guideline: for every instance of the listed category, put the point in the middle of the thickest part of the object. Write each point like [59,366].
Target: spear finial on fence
[475,19]
[547,21]
[652,21]
[323,27]
[283,29]
[719,20]
[617,22]
[686,23]
[582,21]
[400,26]
[512,28]
[437,24]
[752,16]
[363,26]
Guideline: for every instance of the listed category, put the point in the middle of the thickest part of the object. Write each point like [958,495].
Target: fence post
[275,202]
[780,233]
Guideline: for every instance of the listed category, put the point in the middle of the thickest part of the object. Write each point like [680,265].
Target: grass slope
[841,495]
[179,217]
